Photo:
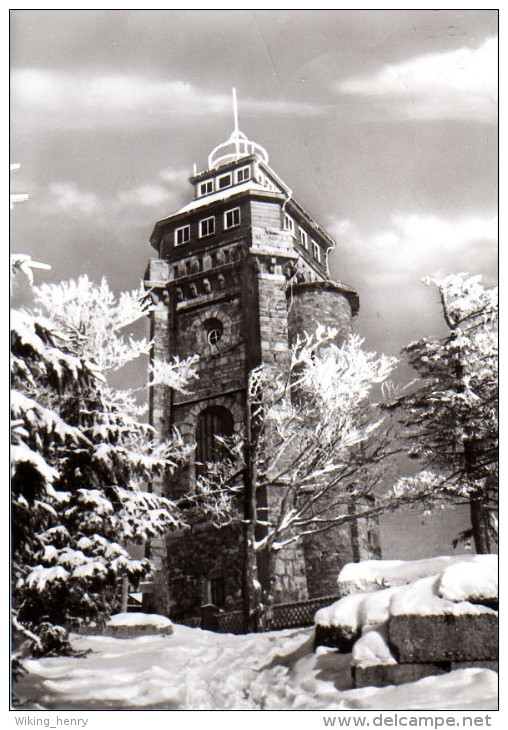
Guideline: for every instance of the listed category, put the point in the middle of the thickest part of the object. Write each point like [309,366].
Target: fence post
[209,617]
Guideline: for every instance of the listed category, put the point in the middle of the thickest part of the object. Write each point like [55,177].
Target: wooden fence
[285,616]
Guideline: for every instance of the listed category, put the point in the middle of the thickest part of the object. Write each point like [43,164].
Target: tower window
[243,174]
[289,223]
[207,226]
[303,238]
[212,422]
[224,181]
[317,251]
[232,218]
[205,188]
[214,330]
[182,235]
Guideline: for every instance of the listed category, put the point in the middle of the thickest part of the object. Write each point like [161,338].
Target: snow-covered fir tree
[82,459]
[451,417]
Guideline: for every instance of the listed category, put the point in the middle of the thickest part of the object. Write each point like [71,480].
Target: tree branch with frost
[175,374]
[316,431]
[22,263]
[96,319]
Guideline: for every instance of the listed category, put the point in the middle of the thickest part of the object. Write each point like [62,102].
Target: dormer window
[243,174]
[207,226]
[303,238]
[232,218]
[224,181]
[182,235]
[317,251]
[289,223]
[205,188]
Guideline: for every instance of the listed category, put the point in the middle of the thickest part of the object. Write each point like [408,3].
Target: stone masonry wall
[288,564]
[197,557]
[273,320]
[159,406]
[327,552]
[220,367]
[157,274]
[313,304]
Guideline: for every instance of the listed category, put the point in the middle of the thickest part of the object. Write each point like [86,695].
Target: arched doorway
[212,421]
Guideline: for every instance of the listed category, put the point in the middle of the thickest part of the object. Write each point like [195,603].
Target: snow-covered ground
[195,669]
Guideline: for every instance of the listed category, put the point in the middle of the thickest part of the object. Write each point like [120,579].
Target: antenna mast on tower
[237,146]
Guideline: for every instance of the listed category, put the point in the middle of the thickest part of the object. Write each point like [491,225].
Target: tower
[240,271]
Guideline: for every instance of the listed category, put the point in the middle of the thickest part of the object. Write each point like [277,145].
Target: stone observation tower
[240,271]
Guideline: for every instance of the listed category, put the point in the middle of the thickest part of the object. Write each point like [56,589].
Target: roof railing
[236,147]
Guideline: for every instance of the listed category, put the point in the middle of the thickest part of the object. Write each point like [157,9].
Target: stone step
[383,675]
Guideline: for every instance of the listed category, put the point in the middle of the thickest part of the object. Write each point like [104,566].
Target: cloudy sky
[382,122]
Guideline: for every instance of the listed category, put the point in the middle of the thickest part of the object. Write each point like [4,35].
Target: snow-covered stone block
[334,636]
[338,625]
[374,665]
[421,619]
[424,627]
[372,649]
[130,625]
[374,575]
[342,623]
[423,598]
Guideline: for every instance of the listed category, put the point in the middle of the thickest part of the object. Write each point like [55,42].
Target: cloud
[72,201]
[175,176]
[386,267]
[416,245]
[49,98]
[459,84]
[67,198]
[146,196]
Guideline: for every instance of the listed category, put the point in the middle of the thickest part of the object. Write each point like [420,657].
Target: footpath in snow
[196,669]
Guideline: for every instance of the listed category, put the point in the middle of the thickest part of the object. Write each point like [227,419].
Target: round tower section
[326,303]
[331,304]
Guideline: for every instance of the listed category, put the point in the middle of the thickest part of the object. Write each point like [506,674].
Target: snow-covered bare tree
[451,417]
[82,458]
[316,440]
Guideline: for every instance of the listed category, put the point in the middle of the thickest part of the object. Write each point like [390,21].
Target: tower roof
[236,146]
